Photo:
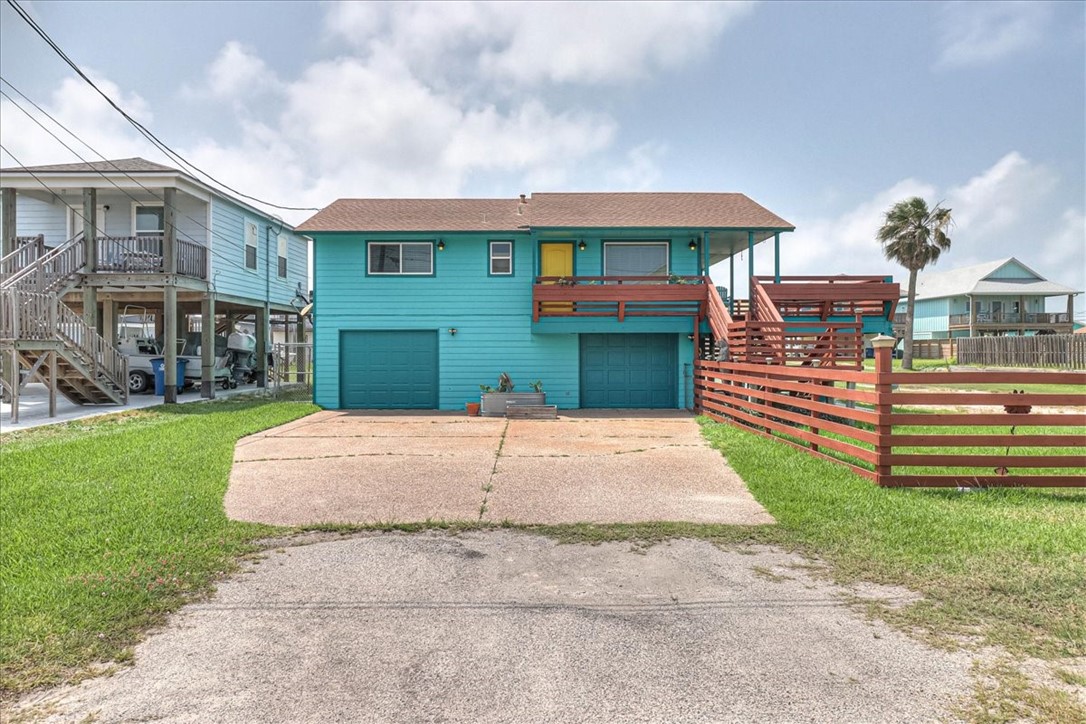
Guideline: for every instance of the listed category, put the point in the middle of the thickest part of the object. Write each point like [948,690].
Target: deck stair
[805,321]
[39,333]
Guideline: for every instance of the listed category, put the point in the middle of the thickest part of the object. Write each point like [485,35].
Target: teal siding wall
[1012,270]
[228,256]
[931,316]
[492,314]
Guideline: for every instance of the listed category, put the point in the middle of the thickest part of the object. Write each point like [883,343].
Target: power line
[212,234]
[158,143]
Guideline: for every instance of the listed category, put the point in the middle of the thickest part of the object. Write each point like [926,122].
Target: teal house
[601,296]
[1003,297]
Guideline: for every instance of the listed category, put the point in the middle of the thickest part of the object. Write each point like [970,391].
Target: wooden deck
[122,255]
[619,297]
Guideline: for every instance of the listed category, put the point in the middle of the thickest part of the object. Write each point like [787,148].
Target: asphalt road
[510,627]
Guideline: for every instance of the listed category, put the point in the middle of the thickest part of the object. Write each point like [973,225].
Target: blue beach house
[87,246]
[601,296]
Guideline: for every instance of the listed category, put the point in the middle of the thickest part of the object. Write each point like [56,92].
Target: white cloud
[528,43]
[594,43]
[1063,248]
[238,71]
[996,199]
[429,97]
[80,108]
[978,33]
[641,169]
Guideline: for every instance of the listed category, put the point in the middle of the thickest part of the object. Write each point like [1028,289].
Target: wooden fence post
[883,406]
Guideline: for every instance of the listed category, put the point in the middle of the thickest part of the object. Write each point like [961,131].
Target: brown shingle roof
[659,210]
[418,215]
[548,210]
[127,165]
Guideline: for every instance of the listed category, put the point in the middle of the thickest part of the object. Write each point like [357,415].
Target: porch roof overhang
[67,184]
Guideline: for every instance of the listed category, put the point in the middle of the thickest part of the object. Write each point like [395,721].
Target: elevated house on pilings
[604,297]
[83,242]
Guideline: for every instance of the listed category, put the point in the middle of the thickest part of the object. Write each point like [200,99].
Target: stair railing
[52,271]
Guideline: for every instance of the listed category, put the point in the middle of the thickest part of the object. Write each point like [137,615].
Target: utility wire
[212,233]
[158,143]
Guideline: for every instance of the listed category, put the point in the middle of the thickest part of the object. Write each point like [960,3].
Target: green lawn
[109,524]
[1004,565]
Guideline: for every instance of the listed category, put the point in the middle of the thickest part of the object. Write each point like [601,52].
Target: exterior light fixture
[693,245]
[581,245]
[452,331]
[440,245]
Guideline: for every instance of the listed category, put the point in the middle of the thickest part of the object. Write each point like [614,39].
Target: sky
[825,113]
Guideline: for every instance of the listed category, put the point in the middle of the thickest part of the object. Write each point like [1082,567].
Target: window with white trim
[501,258]
[282,243]
[251,234]
[149,221]
[635,259]
[400,258]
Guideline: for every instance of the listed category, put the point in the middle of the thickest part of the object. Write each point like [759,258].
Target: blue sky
[826,113]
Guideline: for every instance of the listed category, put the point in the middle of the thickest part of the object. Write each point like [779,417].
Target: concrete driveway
[502,626]
[347,467]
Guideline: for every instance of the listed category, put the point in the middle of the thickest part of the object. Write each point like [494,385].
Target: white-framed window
[402,258]
[148,220]
[501,258]
[251,233]
[282,241]
[635,259]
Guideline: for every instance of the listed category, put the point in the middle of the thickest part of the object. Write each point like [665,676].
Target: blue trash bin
[157,366]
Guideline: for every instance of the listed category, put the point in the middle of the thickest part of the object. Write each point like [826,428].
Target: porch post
[750,255]
[777,258]
[1071,313]
[300,373]
[1021,315]
[109,321]
[169,343]
[90,245]
[261,330]
[9,228]
[972,316]
[705,252]
[169,266]
[731,283]
[169,229]
[207,347]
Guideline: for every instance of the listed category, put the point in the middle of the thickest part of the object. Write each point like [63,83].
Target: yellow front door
[556,260]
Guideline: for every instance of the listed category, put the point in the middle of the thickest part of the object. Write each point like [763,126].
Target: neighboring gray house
[996,298]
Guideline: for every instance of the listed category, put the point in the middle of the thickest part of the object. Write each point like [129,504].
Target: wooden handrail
[52,271]
[720,321]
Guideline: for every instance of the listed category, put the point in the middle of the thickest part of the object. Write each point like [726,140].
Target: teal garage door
[388,370]
[628,370]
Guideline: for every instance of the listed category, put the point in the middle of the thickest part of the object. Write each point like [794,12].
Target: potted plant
[494,400]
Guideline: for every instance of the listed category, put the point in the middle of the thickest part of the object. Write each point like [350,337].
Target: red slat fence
[898,430]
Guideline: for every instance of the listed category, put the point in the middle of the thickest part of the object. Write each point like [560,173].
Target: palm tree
[914,236]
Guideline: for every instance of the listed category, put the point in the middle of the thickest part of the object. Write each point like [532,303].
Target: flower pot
[472,408]
[494,402]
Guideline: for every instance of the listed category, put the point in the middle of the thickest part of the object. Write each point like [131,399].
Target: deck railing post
[883,406]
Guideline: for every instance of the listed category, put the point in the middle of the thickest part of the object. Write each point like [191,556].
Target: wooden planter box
[494,402]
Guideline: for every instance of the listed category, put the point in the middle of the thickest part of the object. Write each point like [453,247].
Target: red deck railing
[612,296]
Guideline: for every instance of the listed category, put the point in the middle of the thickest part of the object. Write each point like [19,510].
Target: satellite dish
[306,310]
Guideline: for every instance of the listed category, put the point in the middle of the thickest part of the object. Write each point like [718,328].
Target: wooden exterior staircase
[804,321]
[39,333]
